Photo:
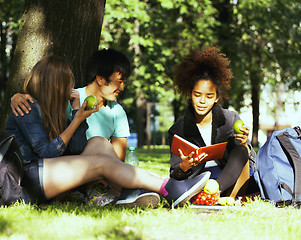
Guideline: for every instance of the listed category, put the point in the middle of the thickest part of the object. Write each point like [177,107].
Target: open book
[215,152]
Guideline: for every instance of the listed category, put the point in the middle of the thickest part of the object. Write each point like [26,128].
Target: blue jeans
[32,182]
[212,167]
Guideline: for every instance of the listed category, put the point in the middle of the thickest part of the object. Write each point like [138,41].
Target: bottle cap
[132,148]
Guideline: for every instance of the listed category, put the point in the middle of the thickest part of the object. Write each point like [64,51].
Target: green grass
[255,220]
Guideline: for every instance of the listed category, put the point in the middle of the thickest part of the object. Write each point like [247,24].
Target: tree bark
[141,119]
[70,29]
[255,88]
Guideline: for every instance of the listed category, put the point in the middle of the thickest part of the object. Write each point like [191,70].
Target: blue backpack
[278,164]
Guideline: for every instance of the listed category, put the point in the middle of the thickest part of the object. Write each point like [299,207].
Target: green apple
[91,102]
[237,126]
[211,187]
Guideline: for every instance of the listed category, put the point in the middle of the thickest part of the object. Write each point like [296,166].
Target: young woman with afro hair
[202,77]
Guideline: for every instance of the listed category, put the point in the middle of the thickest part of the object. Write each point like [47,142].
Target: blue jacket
[33,138]
[222,131]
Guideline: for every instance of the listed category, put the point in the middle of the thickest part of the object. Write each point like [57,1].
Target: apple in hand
[91,102]
[237,126]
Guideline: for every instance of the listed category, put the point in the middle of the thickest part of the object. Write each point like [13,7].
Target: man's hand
[19,104]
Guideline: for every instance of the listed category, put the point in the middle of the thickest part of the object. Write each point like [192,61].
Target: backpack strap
[5,142]
[291,151]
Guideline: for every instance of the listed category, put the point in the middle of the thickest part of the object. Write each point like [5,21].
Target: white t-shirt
[206,135]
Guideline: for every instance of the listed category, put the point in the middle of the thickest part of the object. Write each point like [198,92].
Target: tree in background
[262,38]
[70,29]
[155,34]
[10,14]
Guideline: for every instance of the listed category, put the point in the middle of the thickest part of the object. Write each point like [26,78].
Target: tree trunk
[176,104]
[140,100]
[70,29]
[3,58]
[255,87]
[140,119]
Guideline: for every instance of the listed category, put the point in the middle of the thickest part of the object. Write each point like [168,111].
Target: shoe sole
[192,191]
[145,200]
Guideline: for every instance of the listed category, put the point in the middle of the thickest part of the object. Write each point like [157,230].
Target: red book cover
[215,152]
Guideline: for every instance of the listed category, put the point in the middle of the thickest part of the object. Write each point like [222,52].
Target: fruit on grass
[230,201]
[91,102]
[211,186]
[204,198]
[226,201]
[222,201]
[237,126]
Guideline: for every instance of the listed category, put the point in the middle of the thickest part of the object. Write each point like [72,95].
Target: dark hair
[202,65]
[104,63]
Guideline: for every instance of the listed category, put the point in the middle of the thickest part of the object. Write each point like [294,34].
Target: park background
[261,38]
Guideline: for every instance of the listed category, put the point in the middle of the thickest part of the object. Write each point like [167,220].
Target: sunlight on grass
[156,160]
[254,220]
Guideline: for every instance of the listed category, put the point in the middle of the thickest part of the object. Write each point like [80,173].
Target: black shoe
[138,198]
[179,192]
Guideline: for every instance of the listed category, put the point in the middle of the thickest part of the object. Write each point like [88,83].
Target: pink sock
[163,191]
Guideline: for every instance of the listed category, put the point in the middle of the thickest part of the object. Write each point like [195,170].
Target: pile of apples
[209,195]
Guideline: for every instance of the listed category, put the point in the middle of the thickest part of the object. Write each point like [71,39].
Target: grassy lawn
[254,220]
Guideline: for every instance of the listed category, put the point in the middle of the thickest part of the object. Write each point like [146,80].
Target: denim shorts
[32,182]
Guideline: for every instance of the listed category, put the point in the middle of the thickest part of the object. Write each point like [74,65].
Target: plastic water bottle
[131,157]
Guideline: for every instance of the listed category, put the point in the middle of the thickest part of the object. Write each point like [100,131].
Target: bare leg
[100,146]
[64,173]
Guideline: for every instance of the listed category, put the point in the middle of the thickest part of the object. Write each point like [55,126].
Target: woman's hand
[80,116]
[189,161]
[243,138]
[74,99]
[19,104]
[82,113]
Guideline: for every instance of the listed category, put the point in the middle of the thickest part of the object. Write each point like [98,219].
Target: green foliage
[266,40]
[259,37]
[155,35]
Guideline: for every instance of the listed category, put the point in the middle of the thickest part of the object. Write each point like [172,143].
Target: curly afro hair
[208,64]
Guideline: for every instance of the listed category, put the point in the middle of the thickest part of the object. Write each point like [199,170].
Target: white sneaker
[138,198]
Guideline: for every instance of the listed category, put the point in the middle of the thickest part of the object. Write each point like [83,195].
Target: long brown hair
[50,82]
